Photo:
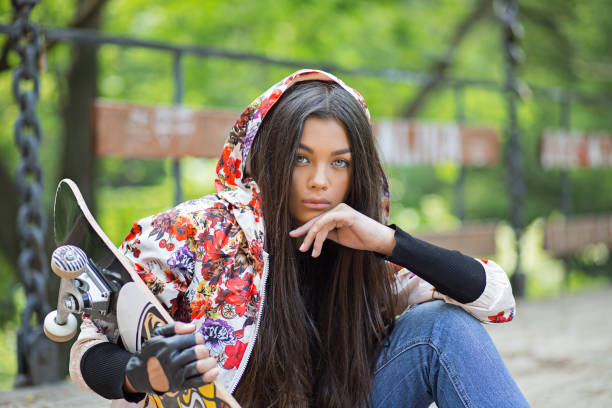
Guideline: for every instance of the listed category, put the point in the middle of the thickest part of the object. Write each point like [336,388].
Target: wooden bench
[148,132]
[474,239]
[566,237]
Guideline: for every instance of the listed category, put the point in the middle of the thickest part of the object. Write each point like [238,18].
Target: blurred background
[516,70]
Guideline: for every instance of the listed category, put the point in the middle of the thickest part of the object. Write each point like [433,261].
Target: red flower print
[240,291]
[234,354]
[243,119]
[134,232]
[135,250]
[500,318]
[240,311]
[200,306]
[214,242]
[173,278]
[182,229]
[219,186]
[229,165]
[255,249]
[255,204]
[485,261]
[162,224]
[155,285]
[212,268]
[268,102]
[396,268]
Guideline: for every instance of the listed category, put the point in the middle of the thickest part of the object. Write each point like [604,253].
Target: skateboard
[98,280]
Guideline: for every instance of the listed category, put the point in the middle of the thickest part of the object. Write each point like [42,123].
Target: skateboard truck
[82,289]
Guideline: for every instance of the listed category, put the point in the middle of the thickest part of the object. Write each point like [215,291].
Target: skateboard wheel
[60,332]
[68,261]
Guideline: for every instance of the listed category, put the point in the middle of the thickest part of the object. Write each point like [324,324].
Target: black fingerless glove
[176,355]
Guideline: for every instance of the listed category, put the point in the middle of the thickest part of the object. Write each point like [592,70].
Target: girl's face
[322,174]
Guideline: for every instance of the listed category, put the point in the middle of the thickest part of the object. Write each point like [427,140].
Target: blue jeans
[439,353]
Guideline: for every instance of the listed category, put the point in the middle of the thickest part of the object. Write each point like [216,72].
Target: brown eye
[301,159]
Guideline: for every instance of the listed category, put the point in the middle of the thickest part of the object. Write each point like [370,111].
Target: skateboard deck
[108,289]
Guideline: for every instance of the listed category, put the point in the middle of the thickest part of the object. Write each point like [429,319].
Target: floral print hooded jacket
[205,258]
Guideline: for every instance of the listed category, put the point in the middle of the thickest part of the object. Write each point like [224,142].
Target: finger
[183,328]
[191,370]
[200,380]
[309,238]
[206,364]
[185,357]
[301,230]
[195,382]
[201,351]
[165,330]
[211,375]
[183,341]
[197,368]
[320,239]
[321,225]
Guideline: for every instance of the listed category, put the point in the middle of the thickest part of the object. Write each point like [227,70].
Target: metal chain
[32,262]
[507,13]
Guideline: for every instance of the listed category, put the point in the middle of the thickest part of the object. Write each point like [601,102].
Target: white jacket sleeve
[495,305]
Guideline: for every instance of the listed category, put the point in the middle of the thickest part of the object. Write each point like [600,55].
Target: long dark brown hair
[324,320]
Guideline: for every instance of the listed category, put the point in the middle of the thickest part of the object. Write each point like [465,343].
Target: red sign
[560,149]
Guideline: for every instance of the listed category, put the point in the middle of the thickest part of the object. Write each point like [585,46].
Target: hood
[230,184]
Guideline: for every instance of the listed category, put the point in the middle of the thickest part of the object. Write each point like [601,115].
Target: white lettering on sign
[137,128]
[173,125]
[419,143]
[166,125]
[571,149]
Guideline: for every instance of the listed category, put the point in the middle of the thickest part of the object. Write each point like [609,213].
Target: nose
[319,179]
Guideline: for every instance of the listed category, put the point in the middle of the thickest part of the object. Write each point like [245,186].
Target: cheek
[344,185]
[295,182]
[294,189]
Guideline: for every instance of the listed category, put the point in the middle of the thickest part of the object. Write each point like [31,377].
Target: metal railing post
[507,12]
[566,187]
[177,70]
[459,93]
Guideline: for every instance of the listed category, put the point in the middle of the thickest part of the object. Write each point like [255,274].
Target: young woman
[300,294]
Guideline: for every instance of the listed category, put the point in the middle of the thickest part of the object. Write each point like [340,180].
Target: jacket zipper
[247,354]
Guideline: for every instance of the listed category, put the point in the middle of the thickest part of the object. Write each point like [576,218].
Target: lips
[316,203]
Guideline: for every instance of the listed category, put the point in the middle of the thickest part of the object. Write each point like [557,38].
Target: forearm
[103,369]
[452,273]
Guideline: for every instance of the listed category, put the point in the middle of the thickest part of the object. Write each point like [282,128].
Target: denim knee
[437,324]
[437,350]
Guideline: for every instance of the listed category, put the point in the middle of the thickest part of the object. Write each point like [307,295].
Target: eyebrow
[337,152]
